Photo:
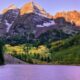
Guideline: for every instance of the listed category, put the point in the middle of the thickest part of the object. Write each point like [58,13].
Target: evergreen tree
[1,52]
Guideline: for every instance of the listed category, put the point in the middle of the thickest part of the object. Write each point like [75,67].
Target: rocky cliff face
[26,20]
[8,16]
[30,22]
[70,16]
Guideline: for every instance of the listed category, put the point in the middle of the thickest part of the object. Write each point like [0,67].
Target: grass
[70,55]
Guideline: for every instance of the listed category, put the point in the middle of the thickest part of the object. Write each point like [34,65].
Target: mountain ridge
[71,16]
[10,7]
[32,22]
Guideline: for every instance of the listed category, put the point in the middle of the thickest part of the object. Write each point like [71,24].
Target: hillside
[69,56]
[66,51]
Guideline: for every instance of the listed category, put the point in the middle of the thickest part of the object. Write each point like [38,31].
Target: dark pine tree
[1,52]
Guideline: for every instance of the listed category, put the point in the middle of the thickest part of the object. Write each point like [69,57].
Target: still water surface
[39,72]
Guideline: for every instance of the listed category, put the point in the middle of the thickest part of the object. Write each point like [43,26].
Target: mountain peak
[70,16]
[27,8]
[12,6]
[32,7]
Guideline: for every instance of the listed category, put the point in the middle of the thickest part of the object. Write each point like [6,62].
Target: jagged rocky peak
[10,14]
[27,8]
[11,7]
[32,7]
[70,16]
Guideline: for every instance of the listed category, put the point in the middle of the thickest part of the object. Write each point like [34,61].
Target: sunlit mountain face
[31,18]
[32,8]
[12,6]
[70,16]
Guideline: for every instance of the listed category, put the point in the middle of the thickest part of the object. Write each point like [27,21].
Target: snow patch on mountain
[8,25]
[39,26]
[46,24]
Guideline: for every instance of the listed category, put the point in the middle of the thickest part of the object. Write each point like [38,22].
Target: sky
[51,6]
